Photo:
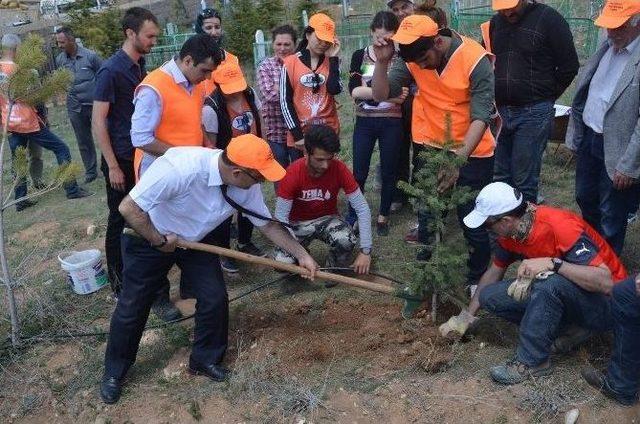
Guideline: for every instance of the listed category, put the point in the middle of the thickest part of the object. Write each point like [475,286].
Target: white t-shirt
[181,193]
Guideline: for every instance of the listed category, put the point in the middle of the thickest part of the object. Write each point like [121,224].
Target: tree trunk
[4,265]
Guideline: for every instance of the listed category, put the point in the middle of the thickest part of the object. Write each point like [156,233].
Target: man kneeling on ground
[566,277]
[188,192]
[308,197]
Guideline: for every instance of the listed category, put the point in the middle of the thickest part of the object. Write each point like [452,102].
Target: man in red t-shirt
[308,199]
[565,278]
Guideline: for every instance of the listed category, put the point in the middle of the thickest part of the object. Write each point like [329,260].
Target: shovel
[411,303]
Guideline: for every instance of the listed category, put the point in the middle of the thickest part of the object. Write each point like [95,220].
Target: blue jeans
[623,373]
[475,174]
[284,154]
[522,140]
[554,304]
[388,133]
[603,207]
[49,141]
[145,272]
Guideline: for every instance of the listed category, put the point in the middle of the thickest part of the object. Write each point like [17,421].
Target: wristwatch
[557,263]
[158,246]
[366,251]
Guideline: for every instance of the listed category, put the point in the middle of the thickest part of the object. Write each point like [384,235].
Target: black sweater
[536,59]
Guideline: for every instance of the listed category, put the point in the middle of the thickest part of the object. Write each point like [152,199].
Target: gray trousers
[81,123]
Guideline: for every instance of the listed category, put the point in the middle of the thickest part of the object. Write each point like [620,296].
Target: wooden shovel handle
[245,257]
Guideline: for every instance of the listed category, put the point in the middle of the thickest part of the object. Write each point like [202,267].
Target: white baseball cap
[493,200]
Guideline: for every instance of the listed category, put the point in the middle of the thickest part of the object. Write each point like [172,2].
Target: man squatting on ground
[308,197]
[569,275]
[182,195]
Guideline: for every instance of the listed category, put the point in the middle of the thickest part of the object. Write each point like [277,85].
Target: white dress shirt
[148,111]
[604,83]
[181,193]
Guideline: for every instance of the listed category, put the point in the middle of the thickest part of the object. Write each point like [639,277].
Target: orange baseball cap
[616,12]
[324,27]
[413,27]
[504,4]
[250,151]
[229,77]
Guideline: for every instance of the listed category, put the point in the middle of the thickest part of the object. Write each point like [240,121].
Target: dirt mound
[347,329]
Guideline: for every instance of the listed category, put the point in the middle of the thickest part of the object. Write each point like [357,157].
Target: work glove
[520,289]
[457,325]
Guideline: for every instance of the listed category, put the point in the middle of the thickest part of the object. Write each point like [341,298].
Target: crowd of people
[186,146]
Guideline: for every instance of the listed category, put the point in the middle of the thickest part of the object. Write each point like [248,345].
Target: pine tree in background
[443,273]
[25,86]
[100,31]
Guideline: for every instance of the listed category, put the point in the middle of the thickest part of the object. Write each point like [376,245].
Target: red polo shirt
[557,233]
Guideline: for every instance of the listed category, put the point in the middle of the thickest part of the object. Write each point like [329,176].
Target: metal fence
[467,15]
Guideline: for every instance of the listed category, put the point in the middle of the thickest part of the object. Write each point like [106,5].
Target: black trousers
[145,271]
[115,222]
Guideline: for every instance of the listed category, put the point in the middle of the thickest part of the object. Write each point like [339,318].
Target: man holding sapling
[563,285]
[454,78]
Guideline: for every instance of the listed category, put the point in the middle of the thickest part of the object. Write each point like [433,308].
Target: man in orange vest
[27,126]
[168,110]
[168,102]
[454,78]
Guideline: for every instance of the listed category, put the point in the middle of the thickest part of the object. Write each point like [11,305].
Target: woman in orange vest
[310,80]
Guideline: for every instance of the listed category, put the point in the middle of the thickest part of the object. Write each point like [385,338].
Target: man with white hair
[605,125]
[565,278]
[10,43]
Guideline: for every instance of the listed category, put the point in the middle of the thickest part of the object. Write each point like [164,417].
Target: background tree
[26,86]
[443,273]
[100,31]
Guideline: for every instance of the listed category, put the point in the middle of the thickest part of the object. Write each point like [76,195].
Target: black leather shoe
[214,371]
[110,389]
[24,204]
[165,310]
[599,381]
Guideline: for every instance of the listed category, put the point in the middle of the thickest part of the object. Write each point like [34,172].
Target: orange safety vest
[181,117]
[448,93]
[485,29]
[24,118]
[209,85]
[312,108]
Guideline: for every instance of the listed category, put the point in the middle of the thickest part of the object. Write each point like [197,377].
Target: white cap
[391,2]
[493,200]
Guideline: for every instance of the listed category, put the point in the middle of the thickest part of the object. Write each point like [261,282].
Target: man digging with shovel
[186,194]
[566,276]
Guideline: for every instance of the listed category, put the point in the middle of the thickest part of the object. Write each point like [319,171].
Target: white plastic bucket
[84,270]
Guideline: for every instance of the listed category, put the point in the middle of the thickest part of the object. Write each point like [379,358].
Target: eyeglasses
[316,81]
[245,123]
[258,180]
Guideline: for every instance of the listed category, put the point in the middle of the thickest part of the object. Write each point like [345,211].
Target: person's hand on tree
[362,263]
[116,178]
[457,325]
[310,264]
[530,268]
[622,182]
[384,49]
[334,49]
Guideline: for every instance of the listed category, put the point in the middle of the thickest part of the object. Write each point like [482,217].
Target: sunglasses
[210,13]
[245,124]
[316,82]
